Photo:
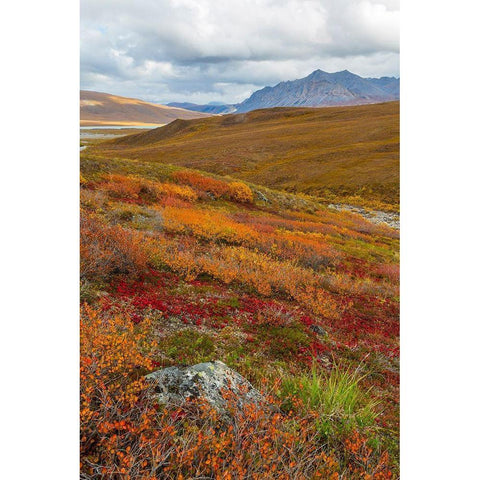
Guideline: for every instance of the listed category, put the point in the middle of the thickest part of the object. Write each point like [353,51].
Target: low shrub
[216,188]
[240,192]
[107,250]
[117,419]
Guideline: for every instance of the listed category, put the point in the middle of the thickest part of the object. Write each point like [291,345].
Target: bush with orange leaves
[257,444]
[236,191]
[211,225]
[239,264]
[183,192]
[117,421]
[208,225]
[240,192]
[361,461]
[135,189]
[215,188]
[107,250]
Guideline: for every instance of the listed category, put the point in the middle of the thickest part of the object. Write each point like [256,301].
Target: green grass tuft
[336,395]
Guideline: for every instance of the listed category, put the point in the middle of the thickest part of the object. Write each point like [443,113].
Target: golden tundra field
[350,154]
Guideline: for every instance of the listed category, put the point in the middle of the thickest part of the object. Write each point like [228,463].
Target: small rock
[326,360]
[210,381]
[318,330]
[262,197]
[211,196]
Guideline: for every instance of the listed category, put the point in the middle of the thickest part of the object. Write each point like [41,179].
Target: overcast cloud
[218,50]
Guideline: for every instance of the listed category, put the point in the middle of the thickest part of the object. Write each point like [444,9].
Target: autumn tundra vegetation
[179,267]
[339,154]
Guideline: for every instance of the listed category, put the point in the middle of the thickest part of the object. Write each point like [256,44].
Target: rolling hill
[348,152]
[104,109]
[324,89]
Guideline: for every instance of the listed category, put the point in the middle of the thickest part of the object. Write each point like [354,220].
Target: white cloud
[203,50]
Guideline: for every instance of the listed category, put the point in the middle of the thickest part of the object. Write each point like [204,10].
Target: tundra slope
[339,154]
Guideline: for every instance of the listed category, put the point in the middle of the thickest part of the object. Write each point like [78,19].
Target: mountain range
[213,108]
[319,89]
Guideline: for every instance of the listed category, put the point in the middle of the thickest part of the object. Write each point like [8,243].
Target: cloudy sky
[217,50]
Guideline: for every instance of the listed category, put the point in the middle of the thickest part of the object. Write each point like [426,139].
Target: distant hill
[324,89]
[104,109]
[346,151]
[209,108]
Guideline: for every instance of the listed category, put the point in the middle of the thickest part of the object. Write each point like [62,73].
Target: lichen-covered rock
[261,196]
[214,382]
[318,330]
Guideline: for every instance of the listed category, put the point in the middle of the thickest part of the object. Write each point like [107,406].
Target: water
[117,127]
[85,134]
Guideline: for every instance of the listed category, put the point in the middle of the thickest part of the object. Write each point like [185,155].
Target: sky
[203,51]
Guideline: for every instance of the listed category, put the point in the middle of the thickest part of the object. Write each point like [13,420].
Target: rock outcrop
[214,382]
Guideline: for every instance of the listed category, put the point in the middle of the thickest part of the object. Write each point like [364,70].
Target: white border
[40,141]
[439,244]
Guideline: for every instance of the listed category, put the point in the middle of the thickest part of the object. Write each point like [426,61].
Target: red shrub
[109,250]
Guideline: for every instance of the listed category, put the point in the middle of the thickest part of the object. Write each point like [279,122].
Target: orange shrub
[230,263]
[240,192]
[361,461]
[217,188]
[122,187]
[259,444]
[311,251]
[236,191]
[180,191]
[207,225]
[117,421]
[135,189]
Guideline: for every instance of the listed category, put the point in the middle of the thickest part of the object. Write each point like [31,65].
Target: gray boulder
[211,381]
[318,330]
[262,197]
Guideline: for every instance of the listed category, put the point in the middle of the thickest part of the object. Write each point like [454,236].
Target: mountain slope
[324,89]
[209,108]
[346,151]
[104,109]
